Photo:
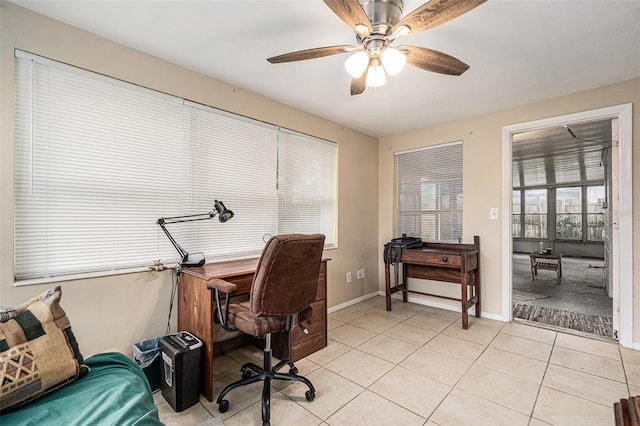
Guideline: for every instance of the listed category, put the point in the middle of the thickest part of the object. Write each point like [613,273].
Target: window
[429,193]
[595,213]
[535,213]
[516,217]
[569,213]
[97,161]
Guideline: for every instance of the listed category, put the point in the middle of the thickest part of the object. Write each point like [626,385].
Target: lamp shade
[393,60]
[357,64]
[376,76]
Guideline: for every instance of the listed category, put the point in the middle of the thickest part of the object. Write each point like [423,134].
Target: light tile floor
[415,365]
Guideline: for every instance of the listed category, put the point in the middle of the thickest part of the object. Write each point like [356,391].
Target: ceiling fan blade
[434,13]
[432,60]
[318,52]
[352,13]
[359,84]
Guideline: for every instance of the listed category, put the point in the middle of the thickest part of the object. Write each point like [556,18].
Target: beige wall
[114,312]
[482,138]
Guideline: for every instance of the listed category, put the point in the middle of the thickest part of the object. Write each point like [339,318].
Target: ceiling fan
[379,23]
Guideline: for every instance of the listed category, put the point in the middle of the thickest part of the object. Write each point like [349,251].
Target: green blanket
[115,392]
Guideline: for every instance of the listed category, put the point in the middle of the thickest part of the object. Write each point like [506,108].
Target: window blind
[98,161]
[429,192]
[306,185]
[234,160]
[93,166]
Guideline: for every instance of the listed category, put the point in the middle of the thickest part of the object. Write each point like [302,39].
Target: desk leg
[405,286]
[464,282]
[476,282]
[387,285]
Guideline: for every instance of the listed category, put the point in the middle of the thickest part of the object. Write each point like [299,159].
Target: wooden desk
[196,306]
[453,263]
[550,262]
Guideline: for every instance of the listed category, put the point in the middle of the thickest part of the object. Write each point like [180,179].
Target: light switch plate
[493,213]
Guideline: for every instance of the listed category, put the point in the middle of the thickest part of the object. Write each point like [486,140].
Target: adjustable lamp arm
[219,210]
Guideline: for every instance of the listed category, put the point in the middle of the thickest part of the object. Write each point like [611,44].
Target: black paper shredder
[181,369]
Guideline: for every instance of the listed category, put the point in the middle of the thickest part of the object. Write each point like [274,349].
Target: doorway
[618,281]
[560,223]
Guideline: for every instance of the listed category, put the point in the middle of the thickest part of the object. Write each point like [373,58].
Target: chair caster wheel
[293,370]
[246,373]
[223,406]
[310,395]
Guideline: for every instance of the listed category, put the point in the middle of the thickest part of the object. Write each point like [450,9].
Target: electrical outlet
[348,277]
[360,274]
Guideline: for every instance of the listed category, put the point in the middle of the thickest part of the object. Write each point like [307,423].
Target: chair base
[252,373]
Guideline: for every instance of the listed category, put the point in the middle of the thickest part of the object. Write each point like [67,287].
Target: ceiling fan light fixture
[376,75]
[357,64]
[393,60]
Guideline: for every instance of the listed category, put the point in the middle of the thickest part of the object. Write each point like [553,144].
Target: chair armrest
[221,314]
[222,285]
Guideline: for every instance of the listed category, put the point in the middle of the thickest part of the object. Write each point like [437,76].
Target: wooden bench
[548,261]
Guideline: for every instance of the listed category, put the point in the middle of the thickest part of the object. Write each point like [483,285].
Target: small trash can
[147,355]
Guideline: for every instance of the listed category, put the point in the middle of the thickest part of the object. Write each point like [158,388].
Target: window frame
[552,214]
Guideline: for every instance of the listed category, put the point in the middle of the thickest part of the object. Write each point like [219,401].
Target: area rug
[598,325]
[524,296]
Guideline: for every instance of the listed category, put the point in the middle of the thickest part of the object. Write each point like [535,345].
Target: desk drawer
[308,347]
[315,327]
[445,260]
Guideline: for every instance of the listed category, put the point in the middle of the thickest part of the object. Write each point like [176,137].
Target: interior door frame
[622,205]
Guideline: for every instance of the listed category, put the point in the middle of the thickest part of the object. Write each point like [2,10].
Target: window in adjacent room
[569,213]
[429,192]
[516,217]
[535,213]
[98,160]
[595,213]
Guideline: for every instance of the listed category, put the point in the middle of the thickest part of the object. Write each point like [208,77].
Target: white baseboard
[352,302]
[446,306]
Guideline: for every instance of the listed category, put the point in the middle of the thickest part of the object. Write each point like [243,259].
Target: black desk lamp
[194,259]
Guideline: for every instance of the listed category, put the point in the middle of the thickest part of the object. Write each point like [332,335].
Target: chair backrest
[286,279]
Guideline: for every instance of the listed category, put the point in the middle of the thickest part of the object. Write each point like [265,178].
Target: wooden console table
[448,262]
[627,411]
[196,305]
[550,262]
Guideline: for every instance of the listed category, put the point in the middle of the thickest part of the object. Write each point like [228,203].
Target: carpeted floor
[593,324]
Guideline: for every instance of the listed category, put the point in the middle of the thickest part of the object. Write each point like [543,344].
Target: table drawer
[435,259]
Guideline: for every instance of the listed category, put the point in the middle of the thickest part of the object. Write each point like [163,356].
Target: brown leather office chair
[283,287]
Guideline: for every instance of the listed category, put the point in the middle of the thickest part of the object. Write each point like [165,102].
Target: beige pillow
[38,351]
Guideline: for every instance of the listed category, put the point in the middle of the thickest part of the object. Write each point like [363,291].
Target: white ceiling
[519,51]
